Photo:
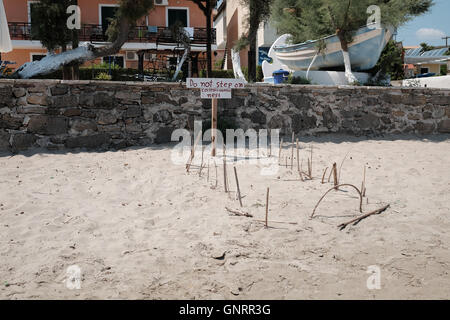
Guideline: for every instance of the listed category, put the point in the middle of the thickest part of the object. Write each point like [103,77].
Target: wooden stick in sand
[298,157]
[270,145]
[279,152]
[237,186]
[292,151]
[267,208]
[336,182]
[239,213]
[310,165]
[323,176]
[225,186]
[363,185]
[357,220]
[188,165]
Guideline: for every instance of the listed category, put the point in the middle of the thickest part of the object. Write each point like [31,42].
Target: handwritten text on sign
[215,88]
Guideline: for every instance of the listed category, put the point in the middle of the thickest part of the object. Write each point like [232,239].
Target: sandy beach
[140,227]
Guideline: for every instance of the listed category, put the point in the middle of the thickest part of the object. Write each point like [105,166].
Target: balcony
[142,34]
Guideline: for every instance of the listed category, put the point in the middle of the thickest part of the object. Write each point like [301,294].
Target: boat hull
[365,51]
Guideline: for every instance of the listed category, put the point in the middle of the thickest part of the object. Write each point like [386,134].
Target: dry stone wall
[101,115]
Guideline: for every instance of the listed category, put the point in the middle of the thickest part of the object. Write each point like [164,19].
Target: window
[37,57]
[107,12]
[424,70]
[179,16]
[114,61]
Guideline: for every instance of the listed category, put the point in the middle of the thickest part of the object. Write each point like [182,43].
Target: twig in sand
[310,164]
[342,185]
[225,184]
[281,148]
[292,151]
[335,176]
[281,222]
[357,220]
[298,157]
[239,213]
[191,158]
[340,167]
[363,185]
[323,176]
[267,208]
[237,186]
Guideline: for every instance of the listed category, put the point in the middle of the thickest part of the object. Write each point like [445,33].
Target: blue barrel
[280,76]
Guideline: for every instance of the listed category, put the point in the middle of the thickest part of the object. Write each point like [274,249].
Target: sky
[429,28]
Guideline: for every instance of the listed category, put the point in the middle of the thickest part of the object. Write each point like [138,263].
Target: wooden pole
[237,186]
[281,148]
[267,208]
[335,176]
[225,186]
[292,152]
[213,126]
[363,185]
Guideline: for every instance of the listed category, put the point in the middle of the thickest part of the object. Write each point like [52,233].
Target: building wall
[433,68]
[17,11]
[76,114]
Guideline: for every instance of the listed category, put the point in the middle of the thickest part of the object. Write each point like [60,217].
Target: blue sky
[429,28]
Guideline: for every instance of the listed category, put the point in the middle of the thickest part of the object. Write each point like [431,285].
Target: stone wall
[59,114]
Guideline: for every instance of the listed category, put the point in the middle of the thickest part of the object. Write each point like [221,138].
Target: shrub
[297,80]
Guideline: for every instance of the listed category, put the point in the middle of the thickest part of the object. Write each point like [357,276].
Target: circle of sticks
[337,187]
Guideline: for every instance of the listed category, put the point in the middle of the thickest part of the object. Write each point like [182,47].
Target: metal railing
[96,33]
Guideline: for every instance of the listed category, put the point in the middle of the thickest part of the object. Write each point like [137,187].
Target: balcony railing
[144,34]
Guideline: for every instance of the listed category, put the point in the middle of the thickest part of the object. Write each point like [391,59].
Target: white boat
[365,51]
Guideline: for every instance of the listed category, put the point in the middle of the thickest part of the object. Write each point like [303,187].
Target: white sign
[212,88]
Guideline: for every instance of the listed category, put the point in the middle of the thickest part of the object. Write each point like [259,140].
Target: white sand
[140,227]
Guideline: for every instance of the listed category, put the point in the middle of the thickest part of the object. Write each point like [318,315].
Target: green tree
[258,12]
[314,19]
[391,62]
[53,33]
[425,47]
[48,16]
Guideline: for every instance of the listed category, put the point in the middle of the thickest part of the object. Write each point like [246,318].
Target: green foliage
[314,19]
[218,74]
[130,10]
[49,23]
[426,47]
[103,76]
[391,62]
[444,70]
[297,80]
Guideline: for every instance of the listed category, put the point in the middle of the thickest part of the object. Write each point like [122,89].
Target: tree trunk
[236,59]
[252,61]
[351,79]
[66,69]
[75,44]
[54,62]
[208,42]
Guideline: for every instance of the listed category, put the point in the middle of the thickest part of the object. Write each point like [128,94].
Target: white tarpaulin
[5,39]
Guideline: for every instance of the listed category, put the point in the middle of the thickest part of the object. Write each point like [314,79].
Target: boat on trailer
[365,51]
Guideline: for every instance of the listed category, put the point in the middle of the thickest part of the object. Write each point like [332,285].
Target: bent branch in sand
[357,220]
[341,185]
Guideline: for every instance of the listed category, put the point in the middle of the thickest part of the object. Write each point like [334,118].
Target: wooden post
[335,176]
[213,126]
[237,186]
[292,152]
[298,157]
[225,185]
[267,208]
[279,153]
